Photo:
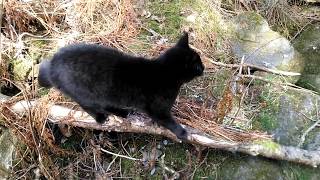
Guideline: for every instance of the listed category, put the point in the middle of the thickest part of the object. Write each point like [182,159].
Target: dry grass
[211,29]
[111,23]
[41,151]
[200,117]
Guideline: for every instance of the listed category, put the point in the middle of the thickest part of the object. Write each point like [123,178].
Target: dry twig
[278,72]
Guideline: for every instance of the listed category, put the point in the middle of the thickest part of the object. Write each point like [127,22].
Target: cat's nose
[200,69]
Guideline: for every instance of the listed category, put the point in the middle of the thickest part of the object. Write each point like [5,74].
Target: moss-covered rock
[247,168]
[261,46]
[7,144]
[288,114]
[308,44]
[314,143]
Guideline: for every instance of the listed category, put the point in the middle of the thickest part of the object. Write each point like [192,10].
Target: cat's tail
[44,74]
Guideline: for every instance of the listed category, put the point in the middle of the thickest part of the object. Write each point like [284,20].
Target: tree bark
[141,124]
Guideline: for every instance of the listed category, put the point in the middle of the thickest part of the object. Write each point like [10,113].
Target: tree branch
[142,124]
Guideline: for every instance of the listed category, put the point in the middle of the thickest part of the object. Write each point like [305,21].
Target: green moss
[36,46]
[300,172]
[34,53]
[210,168]
[269,144]
[210,28]
[267,118]
[21,68]
[220,81]
[254,18]
[129,169]
[43,91]
[306,82]
[169,12]
[266,122]
[72,143]
[176,156]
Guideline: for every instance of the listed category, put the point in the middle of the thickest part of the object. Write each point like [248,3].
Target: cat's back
[87,53]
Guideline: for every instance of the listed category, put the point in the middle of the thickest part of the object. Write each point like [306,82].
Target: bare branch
[274,71]
[141,124]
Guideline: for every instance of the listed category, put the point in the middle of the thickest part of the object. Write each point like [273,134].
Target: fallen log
[141,124]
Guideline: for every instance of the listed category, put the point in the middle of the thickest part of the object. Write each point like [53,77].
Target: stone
[259,45]
[308,44]
[7,146]
[314,145]
[288,114]
[251,168]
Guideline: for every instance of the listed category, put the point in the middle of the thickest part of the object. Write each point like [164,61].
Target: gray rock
[7,144]
[263,47]
[315,143]
[291,122]
[308,44]
[252,168]
[288,114]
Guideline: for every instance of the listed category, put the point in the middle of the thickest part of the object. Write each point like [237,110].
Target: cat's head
[183,60]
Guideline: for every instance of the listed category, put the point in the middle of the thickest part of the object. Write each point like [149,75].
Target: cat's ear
[183,41]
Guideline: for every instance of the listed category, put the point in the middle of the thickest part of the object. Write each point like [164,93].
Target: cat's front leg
[98,116]
[165,119]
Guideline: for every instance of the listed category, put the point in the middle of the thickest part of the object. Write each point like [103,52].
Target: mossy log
[141,124]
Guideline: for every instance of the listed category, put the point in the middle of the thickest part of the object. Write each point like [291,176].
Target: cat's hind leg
[92,109]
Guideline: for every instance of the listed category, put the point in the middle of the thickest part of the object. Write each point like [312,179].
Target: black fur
[44,76]
[106,81]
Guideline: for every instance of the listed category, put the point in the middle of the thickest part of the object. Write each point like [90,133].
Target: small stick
[288,85]
[119,155]
[273,71]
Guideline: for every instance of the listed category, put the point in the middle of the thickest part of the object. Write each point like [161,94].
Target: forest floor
[139,27]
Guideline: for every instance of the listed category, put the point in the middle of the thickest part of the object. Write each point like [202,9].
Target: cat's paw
[101,118]
[181,133]
[124,113]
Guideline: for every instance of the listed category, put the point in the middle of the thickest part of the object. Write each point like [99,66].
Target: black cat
[106,81]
